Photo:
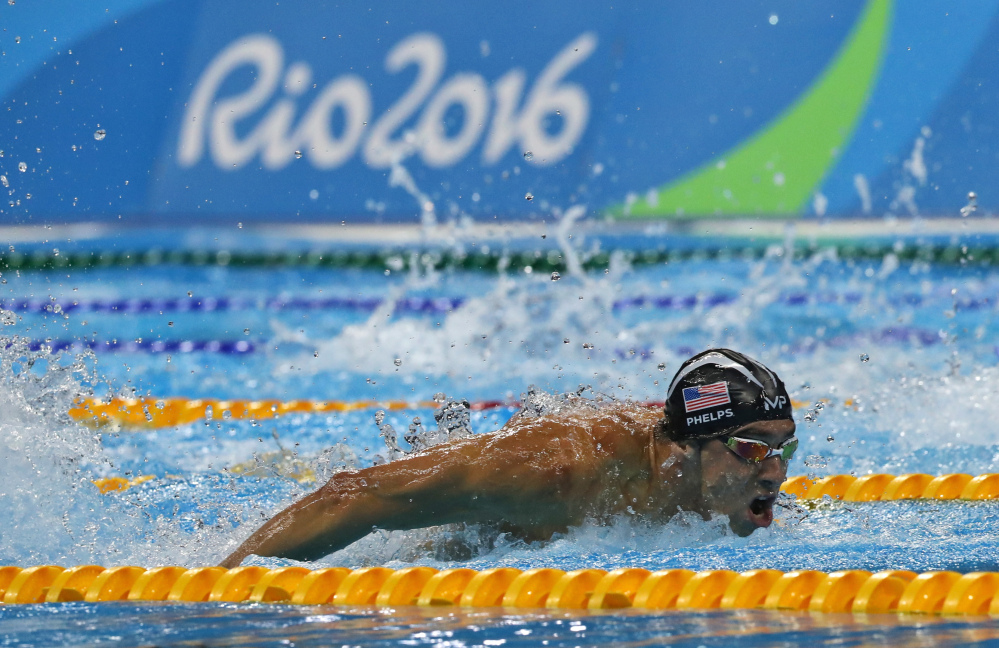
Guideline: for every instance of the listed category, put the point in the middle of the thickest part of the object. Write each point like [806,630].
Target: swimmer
[720,446]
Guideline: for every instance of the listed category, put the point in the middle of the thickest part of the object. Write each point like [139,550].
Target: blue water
[120,624]
[922,400]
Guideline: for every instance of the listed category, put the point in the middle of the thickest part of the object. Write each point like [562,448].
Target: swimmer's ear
[690,447]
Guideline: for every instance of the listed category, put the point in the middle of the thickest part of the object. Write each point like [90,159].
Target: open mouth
[761,510]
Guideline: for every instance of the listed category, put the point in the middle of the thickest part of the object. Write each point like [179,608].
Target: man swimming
[721,445]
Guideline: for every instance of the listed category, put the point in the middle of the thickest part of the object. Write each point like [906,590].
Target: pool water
[227,624]
[894,363]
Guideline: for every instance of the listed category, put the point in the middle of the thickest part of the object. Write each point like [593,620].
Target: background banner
[211,111]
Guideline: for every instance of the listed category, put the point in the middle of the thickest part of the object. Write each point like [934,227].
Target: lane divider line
[852,590]
[149,412]
[846,488]
[167,412]
[225,347]
[541,260]
[890,335]
[441,305]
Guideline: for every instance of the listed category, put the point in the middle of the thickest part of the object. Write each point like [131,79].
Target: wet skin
[536,477]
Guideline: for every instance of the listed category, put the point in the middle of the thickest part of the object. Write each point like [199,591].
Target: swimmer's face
[745,491]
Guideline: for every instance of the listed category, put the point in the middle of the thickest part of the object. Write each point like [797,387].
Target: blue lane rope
[226,347]
[435,305]
[902,335]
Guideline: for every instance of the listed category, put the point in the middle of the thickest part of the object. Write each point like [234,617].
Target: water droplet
[587,345]
[10,2]
[864,357]
[239,225]
[972,205]
[298,155]
[528,156]
[169,323]
[662,366]
[190,294]
[527,196]
[774,19]
[22,166]
[246,331]
[379,417]
[556,276]
[830,438]
[3,180]
[397,362]
[100,134]
[17,39]
[565,341]
[439,397]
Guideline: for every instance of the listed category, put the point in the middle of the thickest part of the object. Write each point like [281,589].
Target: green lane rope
[538,260]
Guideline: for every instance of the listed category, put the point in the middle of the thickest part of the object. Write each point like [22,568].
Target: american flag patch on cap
[698,398]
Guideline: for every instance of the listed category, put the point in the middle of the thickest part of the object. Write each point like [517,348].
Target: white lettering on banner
[427,52]
[212,120]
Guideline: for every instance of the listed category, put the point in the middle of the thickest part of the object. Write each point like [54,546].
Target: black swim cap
[720,390]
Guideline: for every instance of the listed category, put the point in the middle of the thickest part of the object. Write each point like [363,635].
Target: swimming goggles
[756,451]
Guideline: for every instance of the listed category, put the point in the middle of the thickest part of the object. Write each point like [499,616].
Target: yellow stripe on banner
[855,590]
[167,412]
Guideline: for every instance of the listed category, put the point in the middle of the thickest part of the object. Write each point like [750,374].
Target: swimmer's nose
[772,474]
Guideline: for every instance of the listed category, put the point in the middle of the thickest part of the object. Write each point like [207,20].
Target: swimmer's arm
[485,478]
[350,505]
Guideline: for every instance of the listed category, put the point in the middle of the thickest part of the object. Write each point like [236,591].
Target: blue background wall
[639,101]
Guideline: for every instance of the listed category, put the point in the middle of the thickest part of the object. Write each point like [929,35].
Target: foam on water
[50,508]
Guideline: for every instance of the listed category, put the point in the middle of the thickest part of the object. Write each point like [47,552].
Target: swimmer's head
[720,390]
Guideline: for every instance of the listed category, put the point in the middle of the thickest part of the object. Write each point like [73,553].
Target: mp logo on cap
[777,403]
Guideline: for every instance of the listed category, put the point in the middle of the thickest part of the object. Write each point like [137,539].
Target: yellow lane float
[152,412]
[855,590]
[869,488]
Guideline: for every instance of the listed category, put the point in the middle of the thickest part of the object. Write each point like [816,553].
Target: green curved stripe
[777,169]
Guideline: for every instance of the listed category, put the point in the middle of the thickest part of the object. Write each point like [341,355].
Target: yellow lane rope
[853,590]
[867,488]
[166,412]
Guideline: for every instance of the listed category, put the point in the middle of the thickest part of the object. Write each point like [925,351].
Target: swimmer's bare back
[536,476]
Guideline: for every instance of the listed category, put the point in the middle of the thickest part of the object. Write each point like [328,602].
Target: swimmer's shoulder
[627,422]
